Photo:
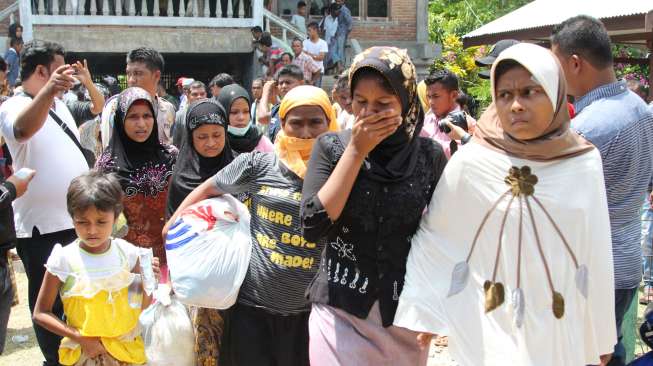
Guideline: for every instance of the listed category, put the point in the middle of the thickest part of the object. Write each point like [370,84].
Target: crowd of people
[322,52]
[381,215]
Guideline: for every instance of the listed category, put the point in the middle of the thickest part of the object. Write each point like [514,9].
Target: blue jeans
[338,54]
[622,300]
[647,243]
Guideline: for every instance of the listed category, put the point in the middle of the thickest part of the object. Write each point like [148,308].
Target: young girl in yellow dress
[93,275]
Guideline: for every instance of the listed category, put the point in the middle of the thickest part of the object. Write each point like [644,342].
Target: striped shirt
[620,125]
[283,263]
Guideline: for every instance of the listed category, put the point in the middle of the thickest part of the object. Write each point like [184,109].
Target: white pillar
[182,8]
[25,15]
[41,7]
[207,9]
[132,7]
[105,7]
[93,7]
[257,14]
[171,10]
[241,8]
[230,10]
[194,11]
[155,11]
[69,7]
[55,7]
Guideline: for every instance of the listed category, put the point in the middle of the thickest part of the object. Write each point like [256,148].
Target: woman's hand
[369,131]
[605,359]
[424,340]
[167,226]
[91,346]
[156,268]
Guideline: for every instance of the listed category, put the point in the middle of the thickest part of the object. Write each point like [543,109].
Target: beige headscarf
[558,140]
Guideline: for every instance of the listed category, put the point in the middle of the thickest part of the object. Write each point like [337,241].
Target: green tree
[449,20]
[463,16]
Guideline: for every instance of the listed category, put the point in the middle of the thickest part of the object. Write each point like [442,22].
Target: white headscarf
[539,62]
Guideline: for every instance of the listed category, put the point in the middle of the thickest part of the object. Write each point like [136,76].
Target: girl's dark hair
[503,67]
[94,189]
[13,29]
[371,73]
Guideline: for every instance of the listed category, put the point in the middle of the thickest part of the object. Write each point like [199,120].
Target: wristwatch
[465,139]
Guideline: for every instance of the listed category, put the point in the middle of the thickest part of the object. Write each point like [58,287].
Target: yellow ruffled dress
[96,302]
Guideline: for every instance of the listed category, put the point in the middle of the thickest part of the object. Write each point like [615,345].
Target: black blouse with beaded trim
[366,249]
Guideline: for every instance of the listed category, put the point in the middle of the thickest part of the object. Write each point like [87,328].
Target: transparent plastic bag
[167,331]
[208,251]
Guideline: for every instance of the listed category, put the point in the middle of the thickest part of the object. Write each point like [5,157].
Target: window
[377,8]
[361,9]
[364,9]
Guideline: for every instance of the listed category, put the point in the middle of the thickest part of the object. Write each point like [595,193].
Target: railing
[270,17]
[155,13]
[9,12]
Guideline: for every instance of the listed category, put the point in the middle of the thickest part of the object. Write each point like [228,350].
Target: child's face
[93,228]
[301,10]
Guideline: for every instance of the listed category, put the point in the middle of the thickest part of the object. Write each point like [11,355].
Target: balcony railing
[153,13]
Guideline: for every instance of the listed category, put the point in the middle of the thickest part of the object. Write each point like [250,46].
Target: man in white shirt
[317,48]
[197,91]
[299,19]
[144,68]
[37,141]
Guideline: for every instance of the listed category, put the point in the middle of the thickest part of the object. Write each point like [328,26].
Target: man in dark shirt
[10,189]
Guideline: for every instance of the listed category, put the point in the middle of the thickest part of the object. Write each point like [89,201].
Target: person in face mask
[242,133]
[269,323]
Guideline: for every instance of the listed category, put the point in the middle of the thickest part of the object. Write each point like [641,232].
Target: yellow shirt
[96,299]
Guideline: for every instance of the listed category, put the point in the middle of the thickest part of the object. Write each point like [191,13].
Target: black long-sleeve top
[7,227]
[365,253]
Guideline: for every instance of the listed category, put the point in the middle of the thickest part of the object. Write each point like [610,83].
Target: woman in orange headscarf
[271,301]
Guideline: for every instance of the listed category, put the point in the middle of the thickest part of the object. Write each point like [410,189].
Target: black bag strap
[64,127]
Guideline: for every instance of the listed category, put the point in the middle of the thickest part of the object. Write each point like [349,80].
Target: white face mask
[239,131]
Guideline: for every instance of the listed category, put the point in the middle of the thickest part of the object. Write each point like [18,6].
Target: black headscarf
[246,143]
[141,167]
[394,159]
[192,168]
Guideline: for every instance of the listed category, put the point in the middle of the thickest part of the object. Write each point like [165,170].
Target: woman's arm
[366,134]
[204,191]
[91,346]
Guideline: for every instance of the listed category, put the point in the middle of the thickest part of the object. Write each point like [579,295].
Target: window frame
[363,17]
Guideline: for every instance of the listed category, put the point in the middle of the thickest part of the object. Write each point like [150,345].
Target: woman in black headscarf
[143,166]
[244,136]
[364,193]
[204,152]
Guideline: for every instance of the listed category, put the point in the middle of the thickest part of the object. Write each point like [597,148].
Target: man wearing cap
[487,61]
[183,99]
[197,91]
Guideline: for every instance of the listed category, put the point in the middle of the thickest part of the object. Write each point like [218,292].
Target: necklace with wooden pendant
[521,183]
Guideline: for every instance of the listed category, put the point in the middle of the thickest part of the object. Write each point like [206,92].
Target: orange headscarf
[294,152]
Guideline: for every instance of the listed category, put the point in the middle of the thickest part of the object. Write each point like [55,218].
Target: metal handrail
[8,10]
[285,26]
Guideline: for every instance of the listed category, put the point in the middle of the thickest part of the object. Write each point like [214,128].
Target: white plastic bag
[167,331]
[208,250]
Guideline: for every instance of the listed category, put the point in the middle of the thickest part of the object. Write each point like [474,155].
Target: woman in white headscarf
[513,258]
